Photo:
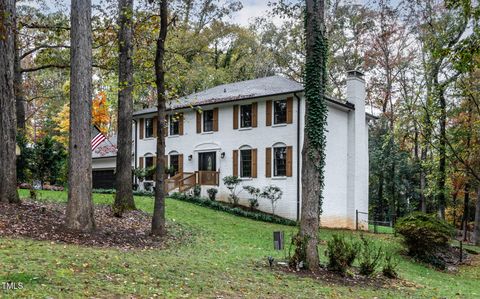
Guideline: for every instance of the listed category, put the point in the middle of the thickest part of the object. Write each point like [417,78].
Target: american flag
[97,137]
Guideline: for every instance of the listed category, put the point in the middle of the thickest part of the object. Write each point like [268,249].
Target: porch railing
[205,177]
[186,180]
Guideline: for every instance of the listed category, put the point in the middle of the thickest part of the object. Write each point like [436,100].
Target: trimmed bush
[216,205]
[424,234]
[341,253]
[369,257]
[212,193]
[197,190]
[112,191]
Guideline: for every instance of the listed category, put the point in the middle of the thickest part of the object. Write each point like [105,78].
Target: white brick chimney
[357,150]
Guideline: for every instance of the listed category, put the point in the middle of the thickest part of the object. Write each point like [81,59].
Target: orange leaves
[100,117]
[100,112]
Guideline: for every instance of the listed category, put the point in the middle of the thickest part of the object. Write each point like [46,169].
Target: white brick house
[254,129]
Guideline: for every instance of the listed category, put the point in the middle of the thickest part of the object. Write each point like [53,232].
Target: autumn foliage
[101,117]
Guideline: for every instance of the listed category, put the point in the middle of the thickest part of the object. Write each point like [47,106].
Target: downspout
[298,155]
[135,151]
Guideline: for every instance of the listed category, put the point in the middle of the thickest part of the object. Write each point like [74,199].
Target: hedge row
[112,191]
[219,206]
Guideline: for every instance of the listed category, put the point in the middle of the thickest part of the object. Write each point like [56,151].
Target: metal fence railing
[375,226]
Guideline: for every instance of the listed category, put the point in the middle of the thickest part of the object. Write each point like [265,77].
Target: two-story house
[254,130]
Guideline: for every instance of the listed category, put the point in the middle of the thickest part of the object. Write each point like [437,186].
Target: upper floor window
[280,112]
[148,127]
[207,120]
[246,163]
[246,116]
[174,125]
[280,161]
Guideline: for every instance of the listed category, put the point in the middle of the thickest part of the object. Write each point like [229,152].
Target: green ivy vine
[316,117]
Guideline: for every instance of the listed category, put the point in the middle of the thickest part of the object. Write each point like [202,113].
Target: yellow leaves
[100,117]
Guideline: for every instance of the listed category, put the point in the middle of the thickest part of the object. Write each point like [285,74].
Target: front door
[207,161]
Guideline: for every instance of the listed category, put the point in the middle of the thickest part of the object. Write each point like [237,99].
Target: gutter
[298,154]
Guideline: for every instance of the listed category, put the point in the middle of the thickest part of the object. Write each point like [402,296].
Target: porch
[184,181]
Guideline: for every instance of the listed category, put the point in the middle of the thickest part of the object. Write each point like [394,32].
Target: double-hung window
[280,161]
[207,120]
[246,163]
[280,112]
[174,125]
[246,116]
[149,127]
[148,165]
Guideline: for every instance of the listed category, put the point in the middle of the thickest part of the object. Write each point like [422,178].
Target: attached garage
[103,179]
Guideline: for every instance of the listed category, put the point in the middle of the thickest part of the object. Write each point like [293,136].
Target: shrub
[197,190]
[212,193]
[273,194]
[424,234]
[370,256]
[255,194]
[390,266]
[232,182]
[341,253]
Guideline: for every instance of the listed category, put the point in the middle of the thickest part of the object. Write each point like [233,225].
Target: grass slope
[226,259]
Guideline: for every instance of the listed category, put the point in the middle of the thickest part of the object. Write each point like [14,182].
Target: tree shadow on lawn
[45,221]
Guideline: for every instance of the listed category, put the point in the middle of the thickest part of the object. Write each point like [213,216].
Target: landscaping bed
[45,221]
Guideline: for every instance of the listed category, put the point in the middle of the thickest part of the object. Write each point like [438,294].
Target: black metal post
[356,219]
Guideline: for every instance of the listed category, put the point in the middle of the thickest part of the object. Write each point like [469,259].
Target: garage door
[103,179]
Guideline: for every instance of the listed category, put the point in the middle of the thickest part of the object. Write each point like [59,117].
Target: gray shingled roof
[255,88]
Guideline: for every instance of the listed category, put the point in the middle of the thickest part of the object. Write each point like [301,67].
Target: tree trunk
[123,178]
[476,226]
[441,200]
[8,129]
[158,220]
[466,203]
[423,181]
[313,152]
[79,215]
[19,97]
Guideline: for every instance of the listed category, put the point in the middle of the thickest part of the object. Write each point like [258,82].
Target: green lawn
[226,259]
[381,229]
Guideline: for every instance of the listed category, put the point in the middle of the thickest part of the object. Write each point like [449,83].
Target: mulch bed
[45,221]
[324,275]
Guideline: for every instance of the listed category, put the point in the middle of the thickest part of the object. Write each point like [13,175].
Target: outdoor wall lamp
[190,157]
[222,155]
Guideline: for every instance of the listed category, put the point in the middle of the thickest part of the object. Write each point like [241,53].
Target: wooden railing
[205,177]
[186,180]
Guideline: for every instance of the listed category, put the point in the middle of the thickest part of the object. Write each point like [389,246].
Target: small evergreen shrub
[369,257]
[273,194]
[390,265]
[232,182]
[197,190]
[424,234]
[212,193]
[341,253]
[255,194]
